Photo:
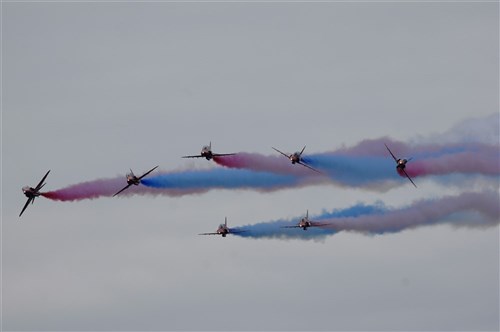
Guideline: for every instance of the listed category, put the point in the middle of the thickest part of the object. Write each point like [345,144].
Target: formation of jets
[206,152]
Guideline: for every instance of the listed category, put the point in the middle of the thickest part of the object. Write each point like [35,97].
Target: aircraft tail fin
[302,150]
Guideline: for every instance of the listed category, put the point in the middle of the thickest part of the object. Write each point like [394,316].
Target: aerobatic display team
[376,164]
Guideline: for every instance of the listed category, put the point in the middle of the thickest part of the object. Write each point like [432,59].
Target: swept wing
[286,155]
[197,156]
[30,200]
[126,187]
[143,175]
[305,165]
[41,184]
[409,178]
[393,156]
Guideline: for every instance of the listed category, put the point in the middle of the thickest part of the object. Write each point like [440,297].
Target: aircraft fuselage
[30,192]
[207,155]
[132,179]
[295,158]
[401,163]
[304,224]
[222,230]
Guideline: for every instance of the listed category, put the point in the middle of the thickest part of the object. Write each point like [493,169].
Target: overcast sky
[91,90]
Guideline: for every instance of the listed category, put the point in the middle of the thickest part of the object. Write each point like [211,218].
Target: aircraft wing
[393,156]
[209,234]
[152,169]
[40,184]
[281,152]
[222,154]
[296,226]
[305,165]
[126,187]
[197,156]
[409,178]
[26,205]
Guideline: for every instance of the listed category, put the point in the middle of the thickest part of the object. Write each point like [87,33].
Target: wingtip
[116,194]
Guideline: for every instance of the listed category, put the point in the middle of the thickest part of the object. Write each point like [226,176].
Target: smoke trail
[471,147]
[357,166]
[427,160]
[219,178]
[367,164]
[177,184]
[95,189]
[482,160]
[467,209]
[370,164]
[484,130]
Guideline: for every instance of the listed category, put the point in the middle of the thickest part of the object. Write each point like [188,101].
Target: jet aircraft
[296,158]
[401,165]
[304,223]
[132,179]
[32,193]
[206,152]
[224,230]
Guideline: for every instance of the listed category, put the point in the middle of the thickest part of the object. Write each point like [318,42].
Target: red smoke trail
[108,187]
[426,212]
[484,161]
[262,163]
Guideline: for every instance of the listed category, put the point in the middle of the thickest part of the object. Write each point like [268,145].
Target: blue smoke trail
[354,170]
[473,209]
[274,229]
[220,178]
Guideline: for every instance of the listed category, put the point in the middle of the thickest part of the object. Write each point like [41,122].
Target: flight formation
[368,165]
[206,152]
